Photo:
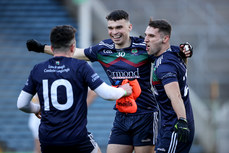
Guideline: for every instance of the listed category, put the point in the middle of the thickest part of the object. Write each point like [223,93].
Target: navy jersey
[62,86]
[167,68]
[128,63]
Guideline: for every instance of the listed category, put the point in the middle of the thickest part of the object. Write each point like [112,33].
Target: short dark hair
[62,36]
[162,25]
[118,15]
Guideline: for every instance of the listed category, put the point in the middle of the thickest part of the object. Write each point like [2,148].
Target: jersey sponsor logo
[107,51]
[95,76]
[146,140]
[161,149]
[125,104]
[58,69]
[123,74]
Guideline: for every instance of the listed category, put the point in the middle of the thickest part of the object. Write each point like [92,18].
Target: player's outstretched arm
[79,54]
[34,45]
[111,93]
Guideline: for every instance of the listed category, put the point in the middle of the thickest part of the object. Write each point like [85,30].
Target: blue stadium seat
[22,20]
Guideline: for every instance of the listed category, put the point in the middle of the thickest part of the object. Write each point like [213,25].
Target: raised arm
[34,45]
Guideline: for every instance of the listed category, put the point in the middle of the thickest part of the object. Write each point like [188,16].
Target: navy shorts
[135,130]
[85,146]
[167,142]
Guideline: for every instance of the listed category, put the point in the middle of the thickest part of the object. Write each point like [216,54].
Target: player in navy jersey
[123,57]
[61,84]
[169,79]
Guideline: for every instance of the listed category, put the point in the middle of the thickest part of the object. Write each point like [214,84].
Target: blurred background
[203,23]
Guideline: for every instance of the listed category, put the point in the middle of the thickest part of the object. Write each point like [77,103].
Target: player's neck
[61,54]
[163,49]
[124,45]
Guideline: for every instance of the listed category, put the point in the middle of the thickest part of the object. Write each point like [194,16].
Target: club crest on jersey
[57,62]
[134,51]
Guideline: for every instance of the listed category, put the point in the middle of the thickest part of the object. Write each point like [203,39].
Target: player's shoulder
[107,43]
[138,42]
[139,39]
[172,54]
[168,57]
[77,62]
[41,64]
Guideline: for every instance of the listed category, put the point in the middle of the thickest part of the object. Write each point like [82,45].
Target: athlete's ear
[130,27]
[72,48]
[165,39]
[52,49]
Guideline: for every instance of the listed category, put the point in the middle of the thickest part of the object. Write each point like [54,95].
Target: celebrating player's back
[62,86]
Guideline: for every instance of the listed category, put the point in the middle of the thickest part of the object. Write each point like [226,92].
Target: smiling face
[119,32]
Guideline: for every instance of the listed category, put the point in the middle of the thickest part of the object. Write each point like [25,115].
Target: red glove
[127,104]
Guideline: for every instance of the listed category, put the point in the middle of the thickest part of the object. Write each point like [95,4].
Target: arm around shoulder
[79,54]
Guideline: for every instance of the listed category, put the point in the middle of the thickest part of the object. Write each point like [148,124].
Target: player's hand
[33,45]
[182,130]
[127,88]
[38,115]
[186,50]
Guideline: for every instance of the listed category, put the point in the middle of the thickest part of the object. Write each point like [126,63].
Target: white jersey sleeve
[108,92]
[24,103]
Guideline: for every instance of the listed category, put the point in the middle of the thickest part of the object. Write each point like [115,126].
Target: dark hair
[118,15]
[162,25]
[62,36]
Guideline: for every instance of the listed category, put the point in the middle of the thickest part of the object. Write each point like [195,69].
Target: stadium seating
[21,20]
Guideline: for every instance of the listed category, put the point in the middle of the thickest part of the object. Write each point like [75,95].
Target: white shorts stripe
[93,142]
[155,127]
[173,143]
